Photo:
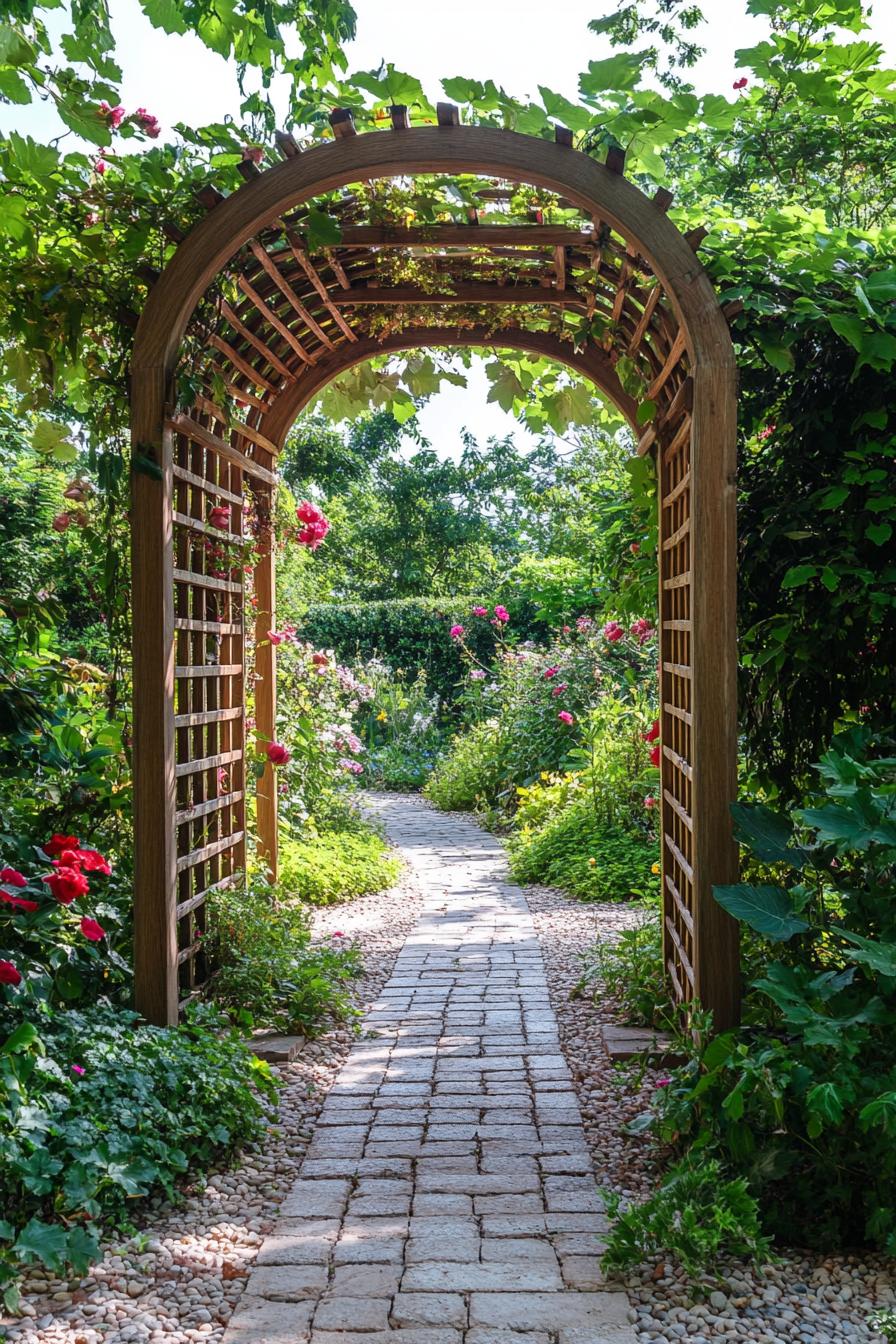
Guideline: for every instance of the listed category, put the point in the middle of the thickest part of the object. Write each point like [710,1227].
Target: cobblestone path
[447,1196]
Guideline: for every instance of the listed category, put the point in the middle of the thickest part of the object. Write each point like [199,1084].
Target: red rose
[740,83]
[12,877]
[91,861]
[94,932]
[8,974]
[277,754]
[17,902]
[320,660]
[219,516]
[308,512]
[57,843]
[66,884]
[652,733]
[62,522]
[655,756]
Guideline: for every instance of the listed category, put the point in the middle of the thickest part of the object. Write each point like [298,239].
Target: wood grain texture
[152,588]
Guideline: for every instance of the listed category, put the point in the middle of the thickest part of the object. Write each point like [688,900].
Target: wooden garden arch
[263,321]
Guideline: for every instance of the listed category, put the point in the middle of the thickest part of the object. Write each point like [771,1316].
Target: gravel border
[180,1277]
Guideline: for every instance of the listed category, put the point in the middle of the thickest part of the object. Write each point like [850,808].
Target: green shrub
[410,634]
[696,1216]
[267,974]
[801,1098]
[336,866]
[629,969]
[468,776]
[97,1112]
[579,852]
[401,727]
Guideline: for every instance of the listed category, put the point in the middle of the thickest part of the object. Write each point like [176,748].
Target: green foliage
[336,866]
[402,730]
[581,853]
[97,1112]
[468,777]
[629,969]
[409,524]
[410,635]
[267,972]
[578,702]
[800,1100]
[695,1217]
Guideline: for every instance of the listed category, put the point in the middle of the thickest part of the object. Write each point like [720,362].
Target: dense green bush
[469,776]
[697,1217]
[97,1112]
[335,866]
[541,703]
[801,1099]
[410,634]
[583,854]
[268,974]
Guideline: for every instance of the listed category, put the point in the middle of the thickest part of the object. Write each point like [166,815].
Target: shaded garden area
[479,626]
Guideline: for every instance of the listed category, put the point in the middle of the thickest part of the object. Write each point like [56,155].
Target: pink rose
[613,631]
[219,516]
[565,717]
[550,672]
[148,124]
[112,116]
[649,801]
[456,631]
[502,615]
[480,611]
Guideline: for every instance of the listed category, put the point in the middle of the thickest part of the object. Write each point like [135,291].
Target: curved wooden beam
[592,363]
[432,149]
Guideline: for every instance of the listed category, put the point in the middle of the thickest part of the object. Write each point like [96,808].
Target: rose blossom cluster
[71,862]
[114,116]
[314,525]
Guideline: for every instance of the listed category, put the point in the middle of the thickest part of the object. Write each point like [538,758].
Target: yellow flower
[545,775]
[382,717]
[655,869]
[592,862]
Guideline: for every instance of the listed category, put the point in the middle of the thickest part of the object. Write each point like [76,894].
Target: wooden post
[714,665]
[266,691]
[152,598]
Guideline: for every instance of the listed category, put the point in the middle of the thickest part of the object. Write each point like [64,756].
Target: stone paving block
[582,1272]
[323,1199]
[493,1276]
[436,1205]
[429,1309]
[423,1335]
[256,1319]
[288,1283]
[364,1281]
[299,1241]
[487,1335]
[578,1318]
[352,1313]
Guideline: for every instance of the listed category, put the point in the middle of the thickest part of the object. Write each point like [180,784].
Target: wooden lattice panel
[676,706]
[209,681]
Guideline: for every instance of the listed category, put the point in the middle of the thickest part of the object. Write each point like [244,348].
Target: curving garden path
[447,1196]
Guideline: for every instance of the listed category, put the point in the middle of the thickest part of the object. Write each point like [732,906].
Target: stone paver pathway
[447,1196]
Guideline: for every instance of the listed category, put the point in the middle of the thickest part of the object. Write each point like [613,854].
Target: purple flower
[78,1070]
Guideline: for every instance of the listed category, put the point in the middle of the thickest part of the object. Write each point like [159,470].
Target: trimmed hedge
[412,633]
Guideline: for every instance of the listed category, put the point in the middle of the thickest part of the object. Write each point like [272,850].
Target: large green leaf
[767,833]
[622,71]
[768,910]
[45,1242]
[881,957]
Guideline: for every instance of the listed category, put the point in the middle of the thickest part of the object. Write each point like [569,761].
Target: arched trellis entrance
[299,317]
